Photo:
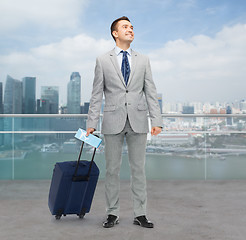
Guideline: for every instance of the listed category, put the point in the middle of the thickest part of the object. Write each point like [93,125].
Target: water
[37,165]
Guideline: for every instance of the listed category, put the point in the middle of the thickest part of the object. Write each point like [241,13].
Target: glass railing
[190,146]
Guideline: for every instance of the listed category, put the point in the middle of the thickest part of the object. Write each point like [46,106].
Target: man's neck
[124,46]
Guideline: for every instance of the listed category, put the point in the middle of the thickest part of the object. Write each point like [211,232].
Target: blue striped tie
[125,67]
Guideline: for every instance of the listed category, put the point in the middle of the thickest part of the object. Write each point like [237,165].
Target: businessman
[124,77]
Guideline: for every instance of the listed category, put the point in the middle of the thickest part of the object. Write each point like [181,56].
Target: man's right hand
[90,130]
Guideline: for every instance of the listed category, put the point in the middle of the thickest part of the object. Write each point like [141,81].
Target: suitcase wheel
[81,215]
[58,217]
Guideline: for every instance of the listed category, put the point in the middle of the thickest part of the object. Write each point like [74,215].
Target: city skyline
[196,48]
[19,97]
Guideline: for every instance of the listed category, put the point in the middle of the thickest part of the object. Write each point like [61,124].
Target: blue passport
[91,139]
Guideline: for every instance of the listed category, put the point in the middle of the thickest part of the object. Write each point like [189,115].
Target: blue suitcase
[72,187]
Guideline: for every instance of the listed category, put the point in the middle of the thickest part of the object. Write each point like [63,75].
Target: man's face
[124,32]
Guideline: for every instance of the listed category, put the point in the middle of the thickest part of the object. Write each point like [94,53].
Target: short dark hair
[114,24]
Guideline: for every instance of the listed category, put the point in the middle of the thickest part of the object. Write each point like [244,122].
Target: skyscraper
[43,106]
[12,105]
[74,93]
[29,94]
[229,120]
[85,108]
[13,96]
[51,93]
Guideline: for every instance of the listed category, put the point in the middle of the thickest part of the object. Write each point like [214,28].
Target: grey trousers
[136,144]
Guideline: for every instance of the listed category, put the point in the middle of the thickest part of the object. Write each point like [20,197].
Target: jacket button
[125,104]
[126,91]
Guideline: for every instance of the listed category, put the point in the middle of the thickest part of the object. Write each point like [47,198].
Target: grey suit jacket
[134,100]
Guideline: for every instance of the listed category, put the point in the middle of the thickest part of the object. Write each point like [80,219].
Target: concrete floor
[181,210]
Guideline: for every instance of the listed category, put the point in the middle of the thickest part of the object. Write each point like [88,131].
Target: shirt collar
[118,50]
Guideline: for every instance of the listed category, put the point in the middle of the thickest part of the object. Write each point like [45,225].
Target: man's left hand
[155,130]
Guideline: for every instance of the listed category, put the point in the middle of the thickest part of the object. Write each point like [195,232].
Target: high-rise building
[188,109]
[29,94]
[229,120]
[197,107]
[74,93]
[13,96]
[12,105]
[51,93]
[43,106]
[85,108]
[243,106]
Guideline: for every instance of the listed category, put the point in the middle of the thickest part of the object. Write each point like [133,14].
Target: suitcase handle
[83,178]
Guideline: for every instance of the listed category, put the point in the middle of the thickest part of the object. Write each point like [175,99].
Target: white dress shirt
[119,55]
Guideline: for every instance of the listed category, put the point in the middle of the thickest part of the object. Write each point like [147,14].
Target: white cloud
[203,68]
[48,13]
[52,64]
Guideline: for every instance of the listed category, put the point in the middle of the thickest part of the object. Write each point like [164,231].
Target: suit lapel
[114,60]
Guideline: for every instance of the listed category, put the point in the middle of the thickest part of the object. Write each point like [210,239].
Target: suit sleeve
[151,98]
[96,97]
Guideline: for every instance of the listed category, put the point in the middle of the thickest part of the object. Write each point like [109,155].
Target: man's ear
[115,34]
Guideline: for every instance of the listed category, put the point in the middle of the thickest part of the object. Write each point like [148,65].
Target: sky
[197,48]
